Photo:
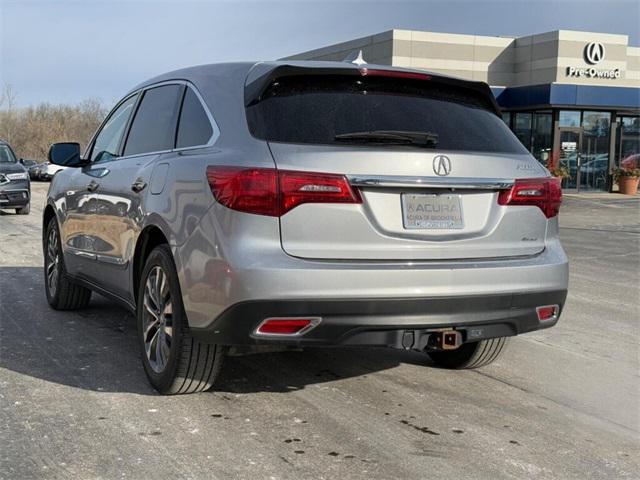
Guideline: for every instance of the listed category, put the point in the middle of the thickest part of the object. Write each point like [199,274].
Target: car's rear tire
[470,355]
[24,210]
[62,294]
[174,361]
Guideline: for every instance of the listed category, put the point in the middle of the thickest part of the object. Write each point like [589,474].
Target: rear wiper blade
[423,139]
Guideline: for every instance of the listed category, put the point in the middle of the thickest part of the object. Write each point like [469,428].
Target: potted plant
[627,179]
[560,171]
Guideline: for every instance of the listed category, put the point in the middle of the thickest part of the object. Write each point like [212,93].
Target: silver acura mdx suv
[274,205]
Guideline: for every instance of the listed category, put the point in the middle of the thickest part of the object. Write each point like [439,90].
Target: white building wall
[499,61]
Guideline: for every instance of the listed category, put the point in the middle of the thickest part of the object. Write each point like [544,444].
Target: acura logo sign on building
[594,53]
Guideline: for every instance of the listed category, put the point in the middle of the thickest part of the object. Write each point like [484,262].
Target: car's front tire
[470,355]
[62,294]
[24,210]
[173,360]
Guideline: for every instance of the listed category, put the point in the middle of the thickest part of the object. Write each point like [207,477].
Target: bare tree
[7,97]
[31,130]
[7,104]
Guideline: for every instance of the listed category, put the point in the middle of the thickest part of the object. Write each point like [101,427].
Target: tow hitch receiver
[448,339]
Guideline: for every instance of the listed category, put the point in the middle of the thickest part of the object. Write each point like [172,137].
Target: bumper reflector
[548,312]
[287,326]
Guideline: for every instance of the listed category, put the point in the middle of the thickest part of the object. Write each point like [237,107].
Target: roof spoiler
[255,89]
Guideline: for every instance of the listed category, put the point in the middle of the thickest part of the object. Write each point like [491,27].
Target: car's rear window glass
[195,128]
[154,126]
[314,109]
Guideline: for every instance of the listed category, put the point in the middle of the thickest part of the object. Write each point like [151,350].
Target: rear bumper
[397,322]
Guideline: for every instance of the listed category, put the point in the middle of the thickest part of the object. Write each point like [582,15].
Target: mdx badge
[441,165]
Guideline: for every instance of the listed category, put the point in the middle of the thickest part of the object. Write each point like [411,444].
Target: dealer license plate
[421,211]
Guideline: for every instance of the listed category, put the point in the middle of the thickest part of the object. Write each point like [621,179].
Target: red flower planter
[628,185]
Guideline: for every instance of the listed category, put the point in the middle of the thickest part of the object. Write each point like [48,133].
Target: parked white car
[48,170]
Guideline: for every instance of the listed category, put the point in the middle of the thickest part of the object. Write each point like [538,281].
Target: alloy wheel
[53,262]
[157,319]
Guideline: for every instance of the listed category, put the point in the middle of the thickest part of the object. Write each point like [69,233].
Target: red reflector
[267,191]
[368,72]
[544,193]
[548,312]
[286,326]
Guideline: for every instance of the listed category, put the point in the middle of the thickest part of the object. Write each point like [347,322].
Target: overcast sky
[66,51]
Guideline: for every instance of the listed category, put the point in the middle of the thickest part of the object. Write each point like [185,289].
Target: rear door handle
[93,185]
[138,185]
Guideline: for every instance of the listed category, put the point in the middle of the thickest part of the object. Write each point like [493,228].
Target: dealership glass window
[522,128]
[506,116]
[569,118]
[628,145]
[542,136]
[594,158]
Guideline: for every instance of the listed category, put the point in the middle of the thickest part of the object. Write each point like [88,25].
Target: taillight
[297,188]
[544,193]
[251,190]
[267,191]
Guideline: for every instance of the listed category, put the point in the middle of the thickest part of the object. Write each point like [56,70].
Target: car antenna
[355,57]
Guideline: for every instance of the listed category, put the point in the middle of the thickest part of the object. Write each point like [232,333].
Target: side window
[194,128]
[154,126]
[108,140]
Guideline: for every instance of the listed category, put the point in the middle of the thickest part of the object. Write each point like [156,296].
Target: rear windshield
[304,109]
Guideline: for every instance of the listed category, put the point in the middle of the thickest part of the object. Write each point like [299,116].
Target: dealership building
[572,98]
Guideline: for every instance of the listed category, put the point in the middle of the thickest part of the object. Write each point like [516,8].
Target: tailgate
[427,154]
[379,228]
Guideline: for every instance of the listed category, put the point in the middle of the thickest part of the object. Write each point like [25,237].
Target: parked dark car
[35,172]
[28,163]
[15,187]
[31,166]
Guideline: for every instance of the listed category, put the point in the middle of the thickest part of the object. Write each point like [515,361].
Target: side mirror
[21,160]
[66,154]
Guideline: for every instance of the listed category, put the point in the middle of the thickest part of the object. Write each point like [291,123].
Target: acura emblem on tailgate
[441,165]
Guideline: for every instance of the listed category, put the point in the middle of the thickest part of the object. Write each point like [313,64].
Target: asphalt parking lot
[561,403]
